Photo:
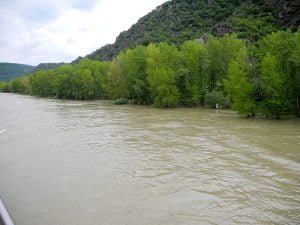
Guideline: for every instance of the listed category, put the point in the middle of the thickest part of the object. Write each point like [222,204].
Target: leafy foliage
[255,79]
[268,84]
[220,53]
[162,65]
[216,99]
[46,66]
[239,85]
[192,75]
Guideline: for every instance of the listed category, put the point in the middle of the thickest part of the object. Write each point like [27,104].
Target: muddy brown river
[95,163]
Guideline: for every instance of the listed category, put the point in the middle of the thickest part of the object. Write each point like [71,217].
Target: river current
[93,163]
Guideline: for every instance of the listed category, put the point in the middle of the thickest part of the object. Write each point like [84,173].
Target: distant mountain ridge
[179,20]
[10,71]
[46,66]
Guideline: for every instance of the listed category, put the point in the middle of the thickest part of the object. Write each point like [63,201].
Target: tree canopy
[262,78]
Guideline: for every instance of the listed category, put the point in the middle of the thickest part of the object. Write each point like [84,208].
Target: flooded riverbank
[72,162]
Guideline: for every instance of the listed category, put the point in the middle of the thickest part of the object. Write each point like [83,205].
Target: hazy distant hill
[10,71]
[178,20]
[46,66]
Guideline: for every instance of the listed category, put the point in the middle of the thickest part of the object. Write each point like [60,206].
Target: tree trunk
[298,107]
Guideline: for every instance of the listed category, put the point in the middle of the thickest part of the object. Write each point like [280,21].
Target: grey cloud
[41,15]
[83,5]
[71,41]
[41,11]
[21,18]
[34,31]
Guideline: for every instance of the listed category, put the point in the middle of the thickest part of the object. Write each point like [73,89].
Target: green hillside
[9,71]
[179,20]
[46,66]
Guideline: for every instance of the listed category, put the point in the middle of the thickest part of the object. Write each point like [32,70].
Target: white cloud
[35,31]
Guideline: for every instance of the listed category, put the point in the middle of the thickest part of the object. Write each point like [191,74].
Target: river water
[94,163]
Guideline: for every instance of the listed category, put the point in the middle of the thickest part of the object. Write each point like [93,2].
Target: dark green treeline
[259,78]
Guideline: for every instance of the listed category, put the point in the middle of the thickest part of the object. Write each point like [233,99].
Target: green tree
[161,69]
[92,75]
[4,87]
[276,101]
[221,51]
[99,72]
[239,85]
[192,77]
[117,78]
[216,99]
[42,83]
[20,85]
[278,52]
[136,65]
[295,74]
[62,84]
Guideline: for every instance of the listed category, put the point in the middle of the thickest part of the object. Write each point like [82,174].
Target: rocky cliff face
[179,20]
[288,12]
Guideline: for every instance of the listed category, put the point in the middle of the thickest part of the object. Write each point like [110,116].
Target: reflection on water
[71,162]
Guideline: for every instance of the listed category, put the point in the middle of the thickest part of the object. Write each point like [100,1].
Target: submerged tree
[276,101]
[221,51]
[162,64]
[239,85]
[136,64]
[295,74]
[277,56]
[192,76]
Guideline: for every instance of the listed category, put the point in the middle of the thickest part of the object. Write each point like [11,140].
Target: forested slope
[9,71]
[46,66]
[179,20]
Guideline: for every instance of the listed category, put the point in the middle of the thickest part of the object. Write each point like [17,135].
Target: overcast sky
[35,31]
